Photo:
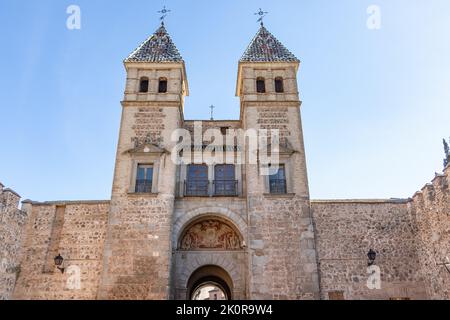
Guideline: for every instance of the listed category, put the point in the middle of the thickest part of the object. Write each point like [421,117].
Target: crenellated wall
[12,221]
[431,208]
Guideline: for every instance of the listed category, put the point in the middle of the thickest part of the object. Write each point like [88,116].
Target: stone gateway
[220,230]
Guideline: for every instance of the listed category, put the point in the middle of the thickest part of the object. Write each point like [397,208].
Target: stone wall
[347,230]
[138,251]
[77,231]
[12,221]
[431,208]
[283,262]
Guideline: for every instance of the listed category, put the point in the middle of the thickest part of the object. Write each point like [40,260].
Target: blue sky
[375,102]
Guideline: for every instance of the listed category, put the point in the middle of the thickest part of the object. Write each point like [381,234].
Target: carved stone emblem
[210,234]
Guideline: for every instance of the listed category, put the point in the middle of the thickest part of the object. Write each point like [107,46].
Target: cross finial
[163,13]
[262,14]
[212,112]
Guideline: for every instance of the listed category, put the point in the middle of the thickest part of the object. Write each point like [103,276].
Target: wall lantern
[372,255]
[59,260]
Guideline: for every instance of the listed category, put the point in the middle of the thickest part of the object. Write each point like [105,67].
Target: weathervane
[261,15]
[163,13]
[212,112]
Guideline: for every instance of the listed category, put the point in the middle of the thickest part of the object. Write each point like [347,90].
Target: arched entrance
[210,283]
[210,258]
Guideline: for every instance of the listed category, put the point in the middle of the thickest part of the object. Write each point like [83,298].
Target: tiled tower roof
[157,48]
[266,48]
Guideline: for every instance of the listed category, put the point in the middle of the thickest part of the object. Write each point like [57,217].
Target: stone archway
[209,249]
[210,275]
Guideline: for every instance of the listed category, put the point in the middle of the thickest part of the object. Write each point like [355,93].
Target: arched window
[260,85]
[162,88]
[279,88]
[143,85]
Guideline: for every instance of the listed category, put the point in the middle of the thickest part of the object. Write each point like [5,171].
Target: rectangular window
[277,182]
[143,85]
[197,182]
[144,179]
[279,85]
[260,85]
[162,88]
[225,183]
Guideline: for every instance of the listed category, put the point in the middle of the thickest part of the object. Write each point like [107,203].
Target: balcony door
[225,183]
[197,180]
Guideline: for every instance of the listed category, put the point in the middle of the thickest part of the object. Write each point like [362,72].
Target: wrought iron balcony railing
[228,188]
[196,188]
[143,186]
[277,186]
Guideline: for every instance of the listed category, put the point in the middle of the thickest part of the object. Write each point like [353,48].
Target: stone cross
[212,112]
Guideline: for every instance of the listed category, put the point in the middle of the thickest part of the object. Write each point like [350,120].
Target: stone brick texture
[12,221]
[347,230]
[431,210]
[80,242]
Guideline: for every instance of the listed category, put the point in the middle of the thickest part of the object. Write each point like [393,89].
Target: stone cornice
[174,104]
[270,103]
[361,201]
[63,203]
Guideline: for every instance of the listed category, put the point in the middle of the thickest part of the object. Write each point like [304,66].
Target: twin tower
[173,228]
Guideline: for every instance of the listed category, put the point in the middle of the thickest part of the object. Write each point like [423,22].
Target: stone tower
[137,253]
[282,247]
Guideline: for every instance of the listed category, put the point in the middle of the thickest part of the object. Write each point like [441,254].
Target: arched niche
[210,233]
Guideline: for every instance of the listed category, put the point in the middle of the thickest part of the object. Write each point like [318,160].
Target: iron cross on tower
[163,13]
[262,14]
[212,112]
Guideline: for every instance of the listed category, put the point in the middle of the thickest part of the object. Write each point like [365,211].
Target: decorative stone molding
[181,223]
[210,234]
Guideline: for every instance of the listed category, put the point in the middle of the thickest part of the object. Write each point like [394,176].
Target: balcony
[277,186]
[225,188]
[196,188]
[220,188]
[143,186]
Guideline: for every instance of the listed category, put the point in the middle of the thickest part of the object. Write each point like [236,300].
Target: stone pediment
[149,148]
[285,148]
